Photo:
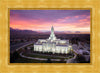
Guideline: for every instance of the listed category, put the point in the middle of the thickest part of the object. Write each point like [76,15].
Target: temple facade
[52,44]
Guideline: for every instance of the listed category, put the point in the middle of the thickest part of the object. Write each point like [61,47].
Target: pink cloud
[63,19]
[83,15]
[88,17]
[83,20]
[76,16]
[67,17]
[73,17]
[39,25]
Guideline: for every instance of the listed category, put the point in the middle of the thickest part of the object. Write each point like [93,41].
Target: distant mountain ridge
[18,31]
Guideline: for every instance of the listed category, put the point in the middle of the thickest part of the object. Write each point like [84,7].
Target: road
[17,46]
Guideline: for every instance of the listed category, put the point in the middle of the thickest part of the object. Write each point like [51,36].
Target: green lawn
[24,60]
[42,56]
[18,59]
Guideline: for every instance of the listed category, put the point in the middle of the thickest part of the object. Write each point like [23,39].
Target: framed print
[65,40]
[49,36]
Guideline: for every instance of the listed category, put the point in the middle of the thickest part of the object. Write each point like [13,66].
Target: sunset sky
[42,20]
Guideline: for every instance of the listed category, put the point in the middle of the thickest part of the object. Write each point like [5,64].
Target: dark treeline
[30,37]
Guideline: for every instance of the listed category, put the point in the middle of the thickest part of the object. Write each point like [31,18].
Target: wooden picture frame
[7,67]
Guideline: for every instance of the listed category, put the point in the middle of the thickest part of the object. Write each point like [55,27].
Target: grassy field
[44,56]
[24,60]
[16,58]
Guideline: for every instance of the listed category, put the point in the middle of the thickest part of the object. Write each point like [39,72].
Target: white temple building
[52,44]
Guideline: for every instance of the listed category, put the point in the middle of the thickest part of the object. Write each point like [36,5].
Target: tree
[25,48]
[14,56]
[48,61]
[80,59]
[62,60]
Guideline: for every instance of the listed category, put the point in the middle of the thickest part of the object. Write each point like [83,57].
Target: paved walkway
[43,59]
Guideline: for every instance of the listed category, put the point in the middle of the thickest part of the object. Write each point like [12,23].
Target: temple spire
[52,30]
[52,35]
